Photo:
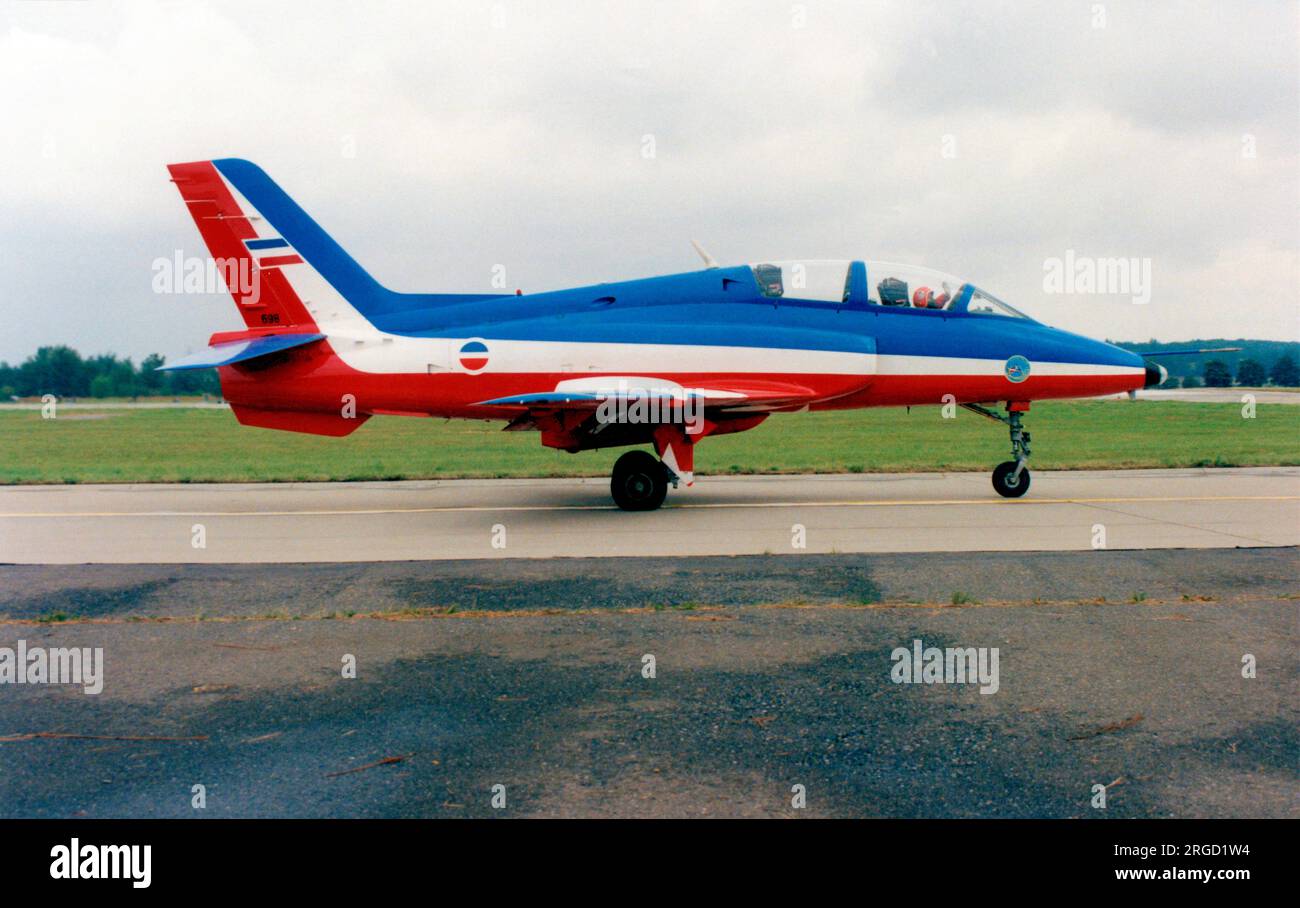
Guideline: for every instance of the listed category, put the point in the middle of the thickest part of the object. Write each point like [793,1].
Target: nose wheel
[639,482]
[1010,478]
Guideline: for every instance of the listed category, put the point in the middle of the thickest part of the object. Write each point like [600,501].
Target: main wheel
[639,483]
[1007,483]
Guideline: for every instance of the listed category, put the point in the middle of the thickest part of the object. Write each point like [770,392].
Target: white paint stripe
[954,365]
[332,313]
[389,354]
[259,224]
[407,355]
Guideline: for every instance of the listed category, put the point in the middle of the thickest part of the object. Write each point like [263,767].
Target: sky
[564,144]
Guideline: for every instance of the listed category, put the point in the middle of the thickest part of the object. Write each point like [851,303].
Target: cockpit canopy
[858,284]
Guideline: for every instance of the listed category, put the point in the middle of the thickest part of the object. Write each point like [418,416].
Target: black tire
[1007,486]
[639,483]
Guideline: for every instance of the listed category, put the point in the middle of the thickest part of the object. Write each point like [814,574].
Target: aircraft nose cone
[1156,374]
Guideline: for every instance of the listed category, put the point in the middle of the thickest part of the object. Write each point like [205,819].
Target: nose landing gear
[1010,478]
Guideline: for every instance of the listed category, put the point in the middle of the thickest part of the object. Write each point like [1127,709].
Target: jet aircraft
[663,361]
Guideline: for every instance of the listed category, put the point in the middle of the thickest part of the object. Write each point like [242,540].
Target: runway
[469,519]
[1116,668]
[1261,396]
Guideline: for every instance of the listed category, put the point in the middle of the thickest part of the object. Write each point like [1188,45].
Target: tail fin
[282,269]
[247,253]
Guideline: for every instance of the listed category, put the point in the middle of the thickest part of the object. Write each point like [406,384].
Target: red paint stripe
[224,227]
[929,390]
[272,261]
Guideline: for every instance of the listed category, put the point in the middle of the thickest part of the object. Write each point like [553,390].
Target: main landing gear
[1011,478]
[640,481]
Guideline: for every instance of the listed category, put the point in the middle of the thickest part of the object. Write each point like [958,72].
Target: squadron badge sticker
[1017,369]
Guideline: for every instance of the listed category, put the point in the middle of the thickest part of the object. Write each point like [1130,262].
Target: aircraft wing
[564,414]
[590,393]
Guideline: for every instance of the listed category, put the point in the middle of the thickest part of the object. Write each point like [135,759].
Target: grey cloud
[521,145]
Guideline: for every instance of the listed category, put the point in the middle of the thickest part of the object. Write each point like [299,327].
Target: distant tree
[1191,381]
[1250,372]
[1285,372]
[62,371]
[54,370]
[122,380]
[150,380]
[1217,374]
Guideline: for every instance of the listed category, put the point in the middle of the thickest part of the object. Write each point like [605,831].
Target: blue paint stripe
[320,250]
[899,333]
[265,244]
[718,307]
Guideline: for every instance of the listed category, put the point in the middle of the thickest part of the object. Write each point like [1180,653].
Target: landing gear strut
[1011,478]
[640,482]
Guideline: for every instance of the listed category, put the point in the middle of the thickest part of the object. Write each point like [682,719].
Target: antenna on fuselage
[709,261]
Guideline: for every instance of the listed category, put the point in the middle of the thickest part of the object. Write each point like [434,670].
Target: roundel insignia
[474,356]
[1017,368]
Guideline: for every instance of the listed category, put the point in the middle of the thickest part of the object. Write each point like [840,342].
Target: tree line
[63,372]
[1251,373]
[1190,370]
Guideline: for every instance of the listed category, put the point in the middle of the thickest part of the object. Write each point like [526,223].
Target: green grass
[186,445]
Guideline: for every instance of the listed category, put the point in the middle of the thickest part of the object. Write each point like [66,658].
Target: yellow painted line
[889,503]
[985,501]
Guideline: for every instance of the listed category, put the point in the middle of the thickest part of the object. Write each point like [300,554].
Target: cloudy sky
[580,143]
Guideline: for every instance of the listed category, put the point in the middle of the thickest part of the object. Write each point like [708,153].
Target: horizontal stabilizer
[239,351]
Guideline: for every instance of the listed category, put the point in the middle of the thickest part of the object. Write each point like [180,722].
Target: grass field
[187,445]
